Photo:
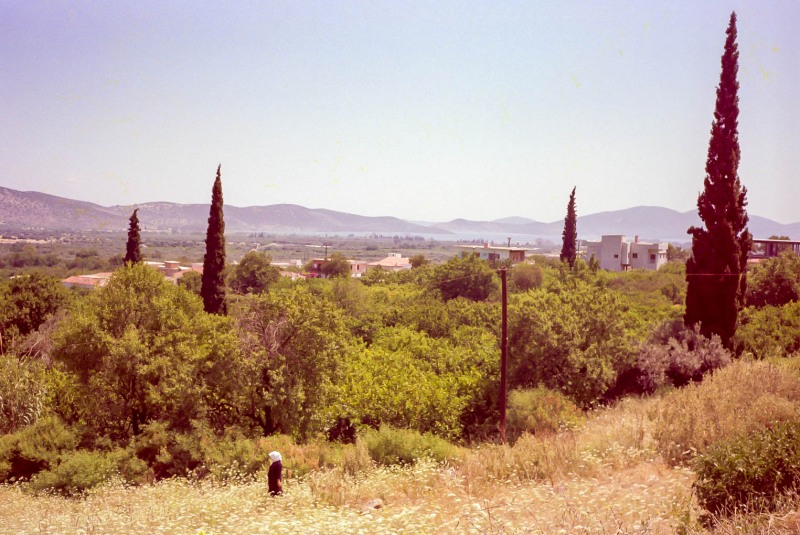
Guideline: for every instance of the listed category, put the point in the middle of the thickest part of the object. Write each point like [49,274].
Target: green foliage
[23,392]
[540,410]
[525,276]
[775,281]
[336,266]
[468,277]
[683,357]
[418,260]
[742,398]
[292,348]
[253,273]
[770,330]
[716,271]
[78,472]
[751,471]
[571,338]
[143,349]
[569,236]
[408,379]
[191,281]
[25,303]
[213,279]
[133,250]
[390,446]
[35,448]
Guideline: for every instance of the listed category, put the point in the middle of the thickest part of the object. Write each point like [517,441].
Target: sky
[423,110]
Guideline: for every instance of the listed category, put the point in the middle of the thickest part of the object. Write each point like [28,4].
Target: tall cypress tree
[133,249]
[716,271]
[569,246]
[212,289]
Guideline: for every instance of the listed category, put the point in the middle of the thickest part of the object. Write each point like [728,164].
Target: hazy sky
[425,110]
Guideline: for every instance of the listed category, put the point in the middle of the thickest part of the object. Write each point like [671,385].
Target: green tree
[418,260]
[569,246]
[407,379]
[526,276]
[336,266]
[468,277]
[25,303]
[716,271]
[293,345]
[213,282]
[253,273]
[570,337]
[775,281]
[143,350]
[192,281]
[133,250]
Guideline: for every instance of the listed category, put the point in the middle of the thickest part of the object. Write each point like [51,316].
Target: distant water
[490,237]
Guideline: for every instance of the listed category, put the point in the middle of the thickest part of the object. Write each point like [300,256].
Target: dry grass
[604,478]
[739,399]
[607,477]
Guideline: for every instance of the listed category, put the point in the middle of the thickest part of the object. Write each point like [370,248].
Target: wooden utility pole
[503,357]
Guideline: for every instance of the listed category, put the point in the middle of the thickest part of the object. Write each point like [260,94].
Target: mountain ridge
[36,210]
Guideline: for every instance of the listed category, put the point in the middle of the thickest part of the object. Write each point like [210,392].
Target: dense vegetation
[136,379]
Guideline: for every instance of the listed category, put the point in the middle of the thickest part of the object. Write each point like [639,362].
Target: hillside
[34,210]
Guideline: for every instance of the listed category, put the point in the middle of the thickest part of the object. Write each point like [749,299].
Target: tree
[468,277]
[213,284]
[336,266]
[142,350]
[570,234]
[418,260]
[254,274]
[133,253]
[25,303]
[571,337]
[716,271]
[293,345]
[775,281]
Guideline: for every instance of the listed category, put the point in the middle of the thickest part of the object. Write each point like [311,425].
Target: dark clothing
[274,478]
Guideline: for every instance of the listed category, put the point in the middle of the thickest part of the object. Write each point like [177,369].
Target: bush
[743,398]
[753,471]
[540,410]
[389,446]
[77,472]
[770,330]
[685,357]
[33,449]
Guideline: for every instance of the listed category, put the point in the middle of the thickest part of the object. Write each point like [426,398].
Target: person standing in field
[274,475]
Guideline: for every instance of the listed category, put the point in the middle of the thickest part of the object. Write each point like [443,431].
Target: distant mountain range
[34,210]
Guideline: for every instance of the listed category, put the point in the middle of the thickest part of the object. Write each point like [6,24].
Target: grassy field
[605,478]
[608,476]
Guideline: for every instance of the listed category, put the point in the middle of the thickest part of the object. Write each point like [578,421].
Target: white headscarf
[274,456]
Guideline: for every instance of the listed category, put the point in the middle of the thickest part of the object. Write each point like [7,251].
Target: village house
[615,253]
[495,252]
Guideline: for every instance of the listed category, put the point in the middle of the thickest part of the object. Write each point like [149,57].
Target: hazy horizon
[422,111]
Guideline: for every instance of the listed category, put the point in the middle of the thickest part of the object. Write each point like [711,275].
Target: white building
[615,253]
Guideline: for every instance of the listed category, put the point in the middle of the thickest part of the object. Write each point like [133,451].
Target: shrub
[770,330]
[753,471]
[22,392]
[34,448]
[681,360]
[539,409]
[390,446]
[77,472]
[744,397]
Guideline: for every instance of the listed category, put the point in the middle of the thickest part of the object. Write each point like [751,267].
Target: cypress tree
[133,250]
[716,271]
[212,288]
[570,235]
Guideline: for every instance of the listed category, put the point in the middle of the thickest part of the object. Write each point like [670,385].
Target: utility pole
[503,355]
